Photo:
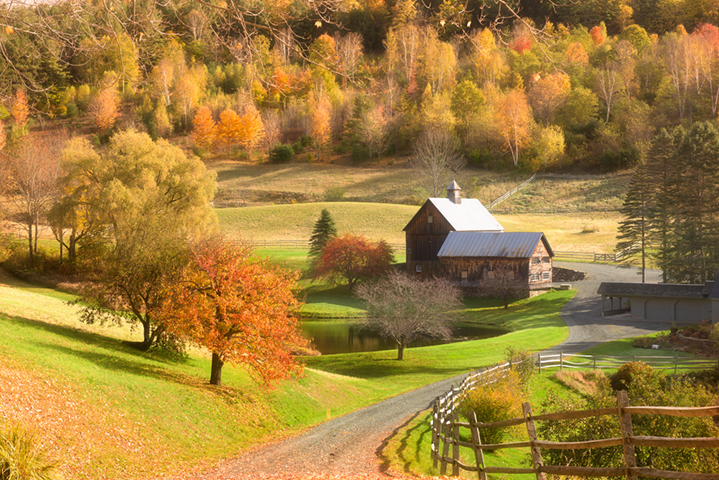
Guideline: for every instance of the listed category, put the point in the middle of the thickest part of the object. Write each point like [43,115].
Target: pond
[347,337]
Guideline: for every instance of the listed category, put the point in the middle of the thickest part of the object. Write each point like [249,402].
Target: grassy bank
[107,411]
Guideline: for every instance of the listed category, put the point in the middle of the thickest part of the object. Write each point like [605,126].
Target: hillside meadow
[104,410]
[582,232]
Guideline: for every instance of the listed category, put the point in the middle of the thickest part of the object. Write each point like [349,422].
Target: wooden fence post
[561,361]
[625,422]
[446,429]
[539,361]
[595,361]
[455,443]
[477,441]
[532,432]
[436,424]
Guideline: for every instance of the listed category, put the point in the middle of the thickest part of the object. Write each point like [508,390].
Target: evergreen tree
[324,231]
[659,165]
[633,230]
[694,188]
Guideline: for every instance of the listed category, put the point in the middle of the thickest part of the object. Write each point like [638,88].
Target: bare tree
[405,309]
[501,282]
[273,128]
[349,51]
[34,170]
[373,129]
[437,157]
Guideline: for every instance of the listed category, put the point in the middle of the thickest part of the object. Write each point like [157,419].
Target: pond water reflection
[347,337]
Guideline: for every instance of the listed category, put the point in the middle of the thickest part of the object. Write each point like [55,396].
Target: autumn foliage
[205,129]
[20,109]
[239,308]
[597,35]
[351,258]
[104,109]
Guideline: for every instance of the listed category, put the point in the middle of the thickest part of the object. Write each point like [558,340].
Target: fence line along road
[562,361]
[447,429]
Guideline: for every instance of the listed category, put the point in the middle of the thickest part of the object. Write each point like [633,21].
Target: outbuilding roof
[666,290]
[468,216]
[493,244]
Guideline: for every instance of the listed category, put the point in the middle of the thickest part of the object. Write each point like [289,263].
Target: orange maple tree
[239,308]
[20,109]
[351,258]
[104,109]
[228,129]
[321,129]
[251,129]
[597,35]
[205,129]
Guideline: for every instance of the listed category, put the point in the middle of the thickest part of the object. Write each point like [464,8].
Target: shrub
[21,458]
[629,371]
[333,194]
[281,153]
[500,398]
[522,363]
[645,386]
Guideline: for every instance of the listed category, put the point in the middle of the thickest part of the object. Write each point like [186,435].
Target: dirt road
[350,444]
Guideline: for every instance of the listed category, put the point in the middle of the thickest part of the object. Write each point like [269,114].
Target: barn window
[536,260]
[418,268]
[534,277]
[545,259]
[545,275]
[430,219]
[464,274]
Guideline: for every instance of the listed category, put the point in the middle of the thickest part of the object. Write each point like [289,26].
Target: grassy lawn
[112,412]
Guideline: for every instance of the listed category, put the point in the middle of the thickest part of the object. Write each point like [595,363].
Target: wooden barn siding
[425,239]
[475,266]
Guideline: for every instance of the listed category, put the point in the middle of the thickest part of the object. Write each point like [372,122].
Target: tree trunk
[400,351]
[216,372]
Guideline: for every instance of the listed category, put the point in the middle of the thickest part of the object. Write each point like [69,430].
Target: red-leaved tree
[351,258]
[239,308]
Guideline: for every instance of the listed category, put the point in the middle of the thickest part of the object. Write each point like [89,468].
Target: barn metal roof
[666,290]
[492,244]
[468,216]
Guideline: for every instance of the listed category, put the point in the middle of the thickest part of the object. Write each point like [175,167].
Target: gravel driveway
[350,444]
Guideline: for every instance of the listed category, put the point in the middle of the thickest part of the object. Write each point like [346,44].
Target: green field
[113,412]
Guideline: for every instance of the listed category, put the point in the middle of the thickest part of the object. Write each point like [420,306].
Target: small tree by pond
[403,308]
[351,258]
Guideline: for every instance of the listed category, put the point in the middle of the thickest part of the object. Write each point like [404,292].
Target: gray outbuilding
[662,302]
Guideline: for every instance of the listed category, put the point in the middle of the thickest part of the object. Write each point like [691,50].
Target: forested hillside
[581,84]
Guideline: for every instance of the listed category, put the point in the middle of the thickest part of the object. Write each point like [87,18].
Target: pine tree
[659,168]
[324,231]
[694,256]
[634,229]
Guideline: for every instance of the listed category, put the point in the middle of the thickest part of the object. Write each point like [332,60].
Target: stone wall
[560,275]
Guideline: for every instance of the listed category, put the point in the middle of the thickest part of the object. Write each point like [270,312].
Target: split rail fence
[447,429]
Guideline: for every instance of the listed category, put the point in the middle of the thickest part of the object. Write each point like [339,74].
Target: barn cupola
[453,193]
